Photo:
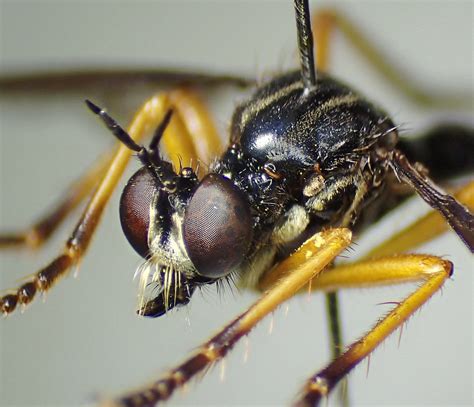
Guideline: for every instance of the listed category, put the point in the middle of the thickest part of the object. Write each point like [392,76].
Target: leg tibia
[381,271]
[286,279]
[431,270]
[42,230]
[146,119]
[190,127]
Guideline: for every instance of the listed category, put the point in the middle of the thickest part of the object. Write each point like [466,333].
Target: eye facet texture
[217,227]
[135,210]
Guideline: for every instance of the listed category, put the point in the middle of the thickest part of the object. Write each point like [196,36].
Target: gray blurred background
[85,341]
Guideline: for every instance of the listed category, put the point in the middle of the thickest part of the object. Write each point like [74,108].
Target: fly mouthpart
[161,288]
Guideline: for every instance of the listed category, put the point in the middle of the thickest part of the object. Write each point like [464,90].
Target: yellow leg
[293,273]
[198,122]
[191,135]
[323,25]
[432,271]
[179,143]
[38,233]
[325,21]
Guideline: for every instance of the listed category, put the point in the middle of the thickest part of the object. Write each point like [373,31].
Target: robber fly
[152,331]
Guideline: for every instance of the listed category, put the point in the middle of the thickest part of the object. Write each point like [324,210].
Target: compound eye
[135,210]
[217,227]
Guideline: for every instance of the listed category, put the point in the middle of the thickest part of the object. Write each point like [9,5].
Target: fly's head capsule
[195,234]
[151,214]
[189,232]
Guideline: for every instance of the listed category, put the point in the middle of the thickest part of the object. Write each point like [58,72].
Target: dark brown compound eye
[135,209]
[217,227]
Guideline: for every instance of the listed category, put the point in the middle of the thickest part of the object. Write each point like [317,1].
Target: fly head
[189,232]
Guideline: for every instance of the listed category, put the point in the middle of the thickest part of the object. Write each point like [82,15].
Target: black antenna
[114,127]
[305,44]
[160,130]
[161,170]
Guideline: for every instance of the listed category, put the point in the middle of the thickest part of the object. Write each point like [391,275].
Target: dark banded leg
[431,271]
[147,117]
[192,127]
[178,143]
[324,23]
[423,230]
[37,234]
[201,131]
[282,283]
[104,78]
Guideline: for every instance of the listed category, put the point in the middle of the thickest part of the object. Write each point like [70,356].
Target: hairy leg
[191,126]
[293,273]
[431,271]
